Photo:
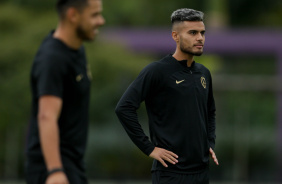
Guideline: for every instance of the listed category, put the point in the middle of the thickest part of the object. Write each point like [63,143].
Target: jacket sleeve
[127,106]
[211,117]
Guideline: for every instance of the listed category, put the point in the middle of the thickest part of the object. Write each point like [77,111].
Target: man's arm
[126,112]
[211,123]
[49,111]
[211,116]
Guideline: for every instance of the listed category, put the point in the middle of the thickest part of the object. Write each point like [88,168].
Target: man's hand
[163,155]
[57,178]
[213,157]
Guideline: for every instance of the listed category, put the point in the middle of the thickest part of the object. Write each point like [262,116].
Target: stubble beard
[82,34]
[189,51]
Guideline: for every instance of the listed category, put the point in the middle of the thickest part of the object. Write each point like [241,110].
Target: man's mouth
[199,46]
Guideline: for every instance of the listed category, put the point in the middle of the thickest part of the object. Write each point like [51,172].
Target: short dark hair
[63,5]
[185,14]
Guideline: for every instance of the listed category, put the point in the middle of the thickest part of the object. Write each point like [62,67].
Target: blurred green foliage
[243,13]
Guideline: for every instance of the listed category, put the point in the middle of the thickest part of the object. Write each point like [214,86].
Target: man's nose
[102,20]
[200,37]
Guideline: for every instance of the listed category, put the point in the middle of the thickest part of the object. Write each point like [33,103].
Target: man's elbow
[44,117]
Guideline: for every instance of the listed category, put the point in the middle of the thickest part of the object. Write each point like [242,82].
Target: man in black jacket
[179,100]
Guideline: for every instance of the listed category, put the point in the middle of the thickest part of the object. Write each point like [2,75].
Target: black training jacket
[181,112]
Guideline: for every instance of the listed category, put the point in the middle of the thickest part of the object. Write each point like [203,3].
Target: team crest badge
[203,81]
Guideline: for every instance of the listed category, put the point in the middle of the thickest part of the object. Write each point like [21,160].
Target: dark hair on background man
[63,5]
[185,14]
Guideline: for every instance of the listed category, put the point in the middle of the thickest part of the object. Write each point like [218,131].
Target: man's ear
[175,36]
[72,15]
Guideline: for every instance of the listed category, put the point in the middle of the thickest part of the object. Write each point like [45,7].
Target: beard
[82,34]
[188,50]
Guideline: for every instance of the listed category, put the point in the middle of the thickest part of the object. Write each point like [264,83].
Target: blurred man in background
[179,99]
[60,84]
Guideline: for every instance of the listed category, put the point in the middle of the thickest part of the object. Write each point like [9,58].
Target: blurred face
[90,20]
[191,35]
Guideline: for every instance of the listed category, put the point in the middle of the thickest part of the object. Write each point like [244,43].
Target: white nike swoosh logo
[178,82]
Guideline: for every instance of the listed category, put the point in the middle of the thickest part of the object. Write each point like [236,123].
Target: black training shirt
[181,112]
[60,71]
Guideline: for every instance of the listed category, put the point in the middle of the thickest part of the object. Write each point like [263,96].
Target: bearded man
[60,83]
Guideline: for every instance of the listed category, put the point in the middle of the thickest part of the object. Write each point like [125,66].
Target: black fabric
[181,111]
[162,177]
[60,71]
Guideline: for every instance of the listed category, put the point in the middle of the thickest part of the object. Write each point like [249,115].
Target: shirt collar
[183,62]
